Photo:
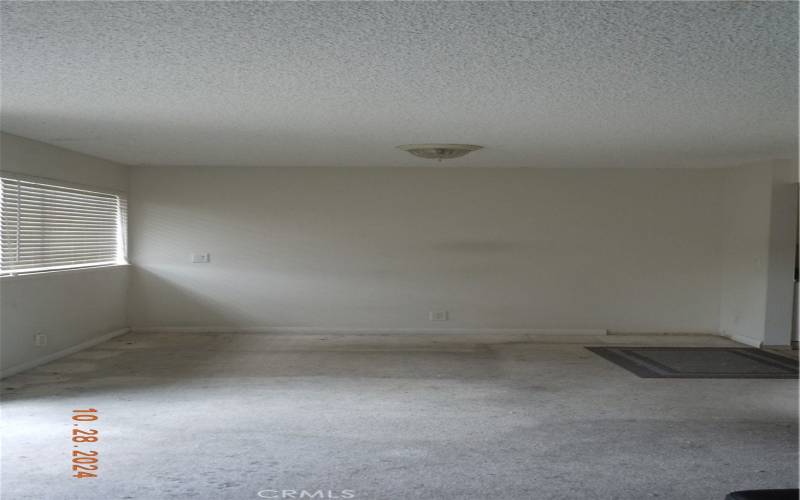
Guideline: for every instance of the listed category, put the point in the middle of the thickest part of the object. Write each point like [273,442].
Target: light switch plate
[201,258]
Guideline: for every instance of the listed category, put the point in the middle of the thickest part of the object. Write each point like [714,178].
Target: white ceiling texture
[538,84]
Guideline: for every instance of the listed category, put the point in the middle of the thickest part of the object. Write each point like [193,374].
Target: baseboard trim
[693,333]
[62,353]
[743,340]
[368,331]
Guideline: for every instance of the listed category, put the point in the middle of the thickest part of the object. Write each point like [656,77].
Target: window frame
[122,226]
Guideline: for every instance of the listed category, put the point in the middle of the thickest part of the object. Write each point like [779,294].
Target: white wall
[759,221]
[71,307]
[630,250]
[782,241]
[745,255]
[618,249]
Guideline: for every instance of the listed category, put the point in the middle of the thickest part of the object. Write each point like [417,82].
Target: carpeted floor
[226,416]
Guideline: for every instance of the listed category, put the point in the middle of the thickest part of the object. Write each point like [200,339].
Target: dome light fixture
[439,151]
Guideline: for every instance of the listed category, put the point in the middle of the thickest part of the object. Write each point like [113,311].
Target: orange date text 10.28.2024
[84,462]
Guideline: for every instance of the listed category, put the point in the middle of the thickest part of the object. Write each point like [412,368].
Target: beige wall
[619,249]
[70,307]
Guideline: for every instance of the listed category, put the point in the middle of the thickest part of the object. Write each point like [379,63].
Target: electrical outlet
[201,258]
[438,316]
[40,339]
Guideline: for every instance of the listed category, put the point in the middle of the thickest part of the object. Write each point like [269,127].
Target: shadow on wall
[179,303]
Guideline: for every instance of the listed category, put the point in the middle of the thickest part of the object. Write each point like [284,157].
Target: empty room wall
[71,307]
[356,248]
[759,220]
[782,247]
[745,247]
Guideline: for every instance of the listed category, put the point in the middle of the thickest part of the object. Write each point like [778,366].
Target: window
[46,225]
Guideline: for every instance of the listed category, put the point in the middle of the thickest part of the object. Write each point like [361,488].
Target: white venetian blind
[46,226]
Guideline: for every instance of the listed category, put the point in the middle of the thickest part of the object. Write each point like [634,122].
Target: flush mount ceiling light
[439,151]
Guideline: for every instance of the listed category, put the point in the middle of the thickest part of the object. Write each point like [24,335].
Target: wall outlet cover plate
[201,258]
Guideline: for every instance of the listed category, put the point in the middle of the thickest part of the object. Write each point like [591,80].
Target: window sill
[58,272]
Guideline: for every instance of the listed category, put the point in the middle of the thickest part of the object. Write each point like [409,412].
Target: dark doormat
[699,362]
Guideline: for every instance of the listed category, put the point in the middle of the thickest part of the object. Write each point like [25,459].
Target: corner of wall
[76,308]
[744,253]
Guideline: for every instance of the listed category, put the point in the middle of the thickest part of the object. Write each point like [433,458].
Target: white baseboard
[368,331]
[743,340]
[64,352]
[665,333]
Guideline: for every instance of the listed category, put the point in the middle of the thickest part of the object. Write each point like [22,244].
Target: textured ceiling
[551,84]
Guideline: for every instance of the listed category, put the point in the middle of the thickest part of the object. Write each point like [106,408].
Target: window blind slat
[56,254]
[38,200]
[64,256]
[46,265]
[62,192]
[65,218]
[48,220]
[42,198]
[23,198]
[45,259]
[66,247]
[64,235]
[52,259]
[32,253]
[60,243]
[104,210]
[80,196]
